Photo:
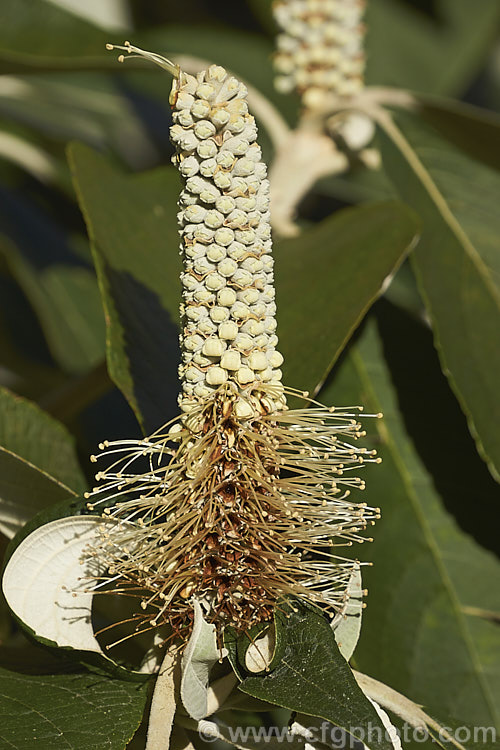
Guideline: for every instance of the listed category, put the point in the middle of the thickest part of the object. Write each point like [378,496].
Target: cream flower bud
[224,215]
[320,48]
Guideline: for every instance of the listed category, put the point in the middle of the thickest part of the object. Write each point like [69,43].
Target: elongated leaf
[88,106]
[36,437]
[313,678]
[133,227]
[326,280]
[458,266]
[416,726]
[83,711]
[416,635]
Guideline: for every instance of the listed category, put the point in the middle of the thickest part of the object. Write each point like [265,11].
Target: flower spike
[320,48]
[238,501]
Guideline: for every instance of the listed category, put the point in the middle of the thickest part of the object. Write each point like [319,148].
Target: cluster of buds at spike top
[320,48]
[239,501]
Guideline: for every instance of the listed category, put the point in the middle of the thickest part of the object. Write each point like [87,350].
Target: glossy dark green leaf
[418,634]
[313,678]
[327,279]
[438,53]
[132,224]
[458,266]
[84,711]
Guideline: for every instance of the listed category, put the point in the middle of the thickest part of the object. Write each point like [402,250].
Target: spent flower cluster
[320,48]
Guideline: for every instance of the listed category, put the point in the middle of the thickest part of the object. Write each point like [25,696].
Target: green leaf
[68,41]
[37,438]
[80,711]
[441,54]
[416,634]
[457,264]
[132,224]
[66,299]
[24,489]
[38,465]
[312,676]
[328,278]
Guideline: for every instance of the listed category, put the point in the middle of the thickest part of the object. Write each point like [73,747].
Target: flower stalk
[239,501]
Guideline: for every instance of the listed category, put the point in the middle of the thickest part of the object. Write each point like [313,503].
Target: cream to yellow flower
[239,501]
[320,47]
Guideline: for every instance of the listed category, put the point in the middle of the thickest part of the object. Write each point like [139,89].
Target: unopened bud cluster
[320,48]
[228,310]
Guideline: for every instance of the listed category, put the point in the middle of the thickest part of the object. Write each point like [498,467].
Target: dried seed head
[320,48]
[239,501]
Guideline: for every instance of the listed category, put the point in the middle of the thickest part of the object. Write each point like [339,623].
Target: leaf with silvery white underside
[348,626]
[24,491]
[45,582]
[201,653]
[260,653]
